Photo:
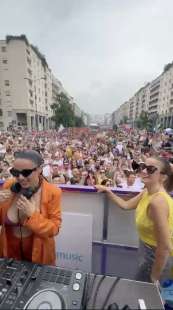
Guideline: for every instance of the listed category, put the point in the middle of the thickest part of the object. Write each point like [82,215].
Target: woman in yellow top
[154,219]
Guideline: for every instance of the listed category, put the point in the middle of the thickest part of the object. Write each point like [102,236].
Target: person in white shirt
[2,150]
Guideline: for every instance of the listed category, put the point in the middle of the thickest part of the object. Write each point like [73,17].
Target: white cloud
[102,50]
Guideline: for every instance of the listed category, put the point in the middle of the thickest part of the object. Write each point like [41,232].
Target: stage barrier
[115,240]
[114,236]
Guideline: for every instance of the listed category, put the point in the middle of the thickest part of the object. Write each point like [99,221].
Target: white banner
[74,242]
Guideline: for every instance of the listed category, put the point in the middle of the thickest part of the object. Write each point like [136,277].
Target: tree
[125,119]
[64,114]
[143,122]
[63,111]
[79,122]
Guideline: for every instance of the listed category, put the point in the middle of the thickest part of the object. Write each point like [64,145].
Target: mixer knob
[22,279]
[15,290]
[25,271]
[76,287]
[9,282]
[4,290]
[78,276]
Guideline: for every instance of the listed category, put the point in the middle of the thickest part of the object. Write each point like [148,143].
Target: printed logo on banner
[74,242]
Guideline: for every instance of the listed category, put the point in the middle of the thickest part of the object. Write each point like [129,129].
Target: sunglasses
[25,173]
[150,169]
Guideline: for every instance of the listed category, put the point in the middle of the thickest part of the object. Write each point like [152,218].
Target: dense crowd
[82,157]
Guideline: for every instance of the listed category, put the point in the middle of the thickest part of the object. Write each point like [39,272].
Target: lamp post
[35,97]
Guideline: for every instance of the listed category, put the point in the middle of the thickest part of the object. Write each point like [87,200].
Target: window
[31,93]
[1,113]
[9,113]
[4,61]
[7,93]
[29,71]
[3,49]
[28,52]
[7,83]
[30,82]
[29,60]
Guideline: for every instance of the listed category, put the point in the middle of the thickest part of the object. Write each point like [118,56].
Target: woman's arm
[121,203]
[159,212]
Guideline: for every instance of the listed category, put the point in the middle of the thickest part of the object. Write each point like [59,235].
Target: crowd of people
[85,158]
[30,207]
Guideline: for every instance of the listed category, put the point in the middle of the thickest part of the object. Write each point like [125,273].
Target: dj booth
[24,285]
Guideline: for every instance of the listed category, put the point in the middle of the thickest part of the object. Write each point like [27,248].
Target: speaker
[46,299]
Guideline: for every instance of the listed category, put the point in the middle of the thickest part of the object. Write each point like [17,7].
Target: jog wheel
[45,299]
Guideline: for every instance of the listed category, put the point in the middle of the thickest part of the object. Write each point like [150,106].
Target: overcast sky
[101,50]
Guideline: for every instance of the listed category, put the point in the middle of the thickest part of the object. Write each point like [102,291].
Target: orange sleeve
[8,183]
[47,227]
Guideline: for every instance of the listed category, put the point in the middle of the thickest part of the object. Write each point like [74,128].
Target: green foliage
[64,114]
[143,122]
[79,122]
[125,119]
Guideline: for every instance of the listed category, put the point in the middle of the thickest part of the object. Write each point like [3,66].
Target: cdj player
[24,285]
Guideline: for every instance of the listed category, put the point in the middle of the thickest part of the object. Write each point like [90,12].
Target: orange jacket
[44,224]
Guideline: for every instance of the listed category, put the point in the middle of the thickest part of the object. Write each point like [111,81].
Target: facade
[141,101]
[27,86]
[125,111]
[165,108]
[156,98]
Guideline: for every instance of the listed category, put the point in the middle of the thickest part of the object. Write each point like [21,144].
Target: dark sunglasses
[25,173]
[150,169]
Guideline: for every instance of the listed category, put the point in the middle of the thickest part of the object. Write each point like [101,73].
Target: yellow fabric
[145,225]
[69,152]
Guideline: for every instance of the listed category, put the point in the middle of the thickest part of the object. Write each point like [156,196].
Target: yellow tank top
[145,225]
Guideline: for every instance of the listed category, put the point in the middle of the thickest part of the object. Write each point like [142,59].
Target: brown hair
[167,170]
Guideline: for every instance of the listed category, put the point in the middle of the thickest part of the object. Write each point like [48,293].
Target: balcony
[154,95]
[153,101]
[153,107]
[154,87]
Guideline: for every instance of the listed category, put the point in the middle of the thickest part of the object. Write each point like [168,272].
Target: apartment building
[156,98]
[165,108]
[141,100]
[25,85]
[122,112]
[154,103]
